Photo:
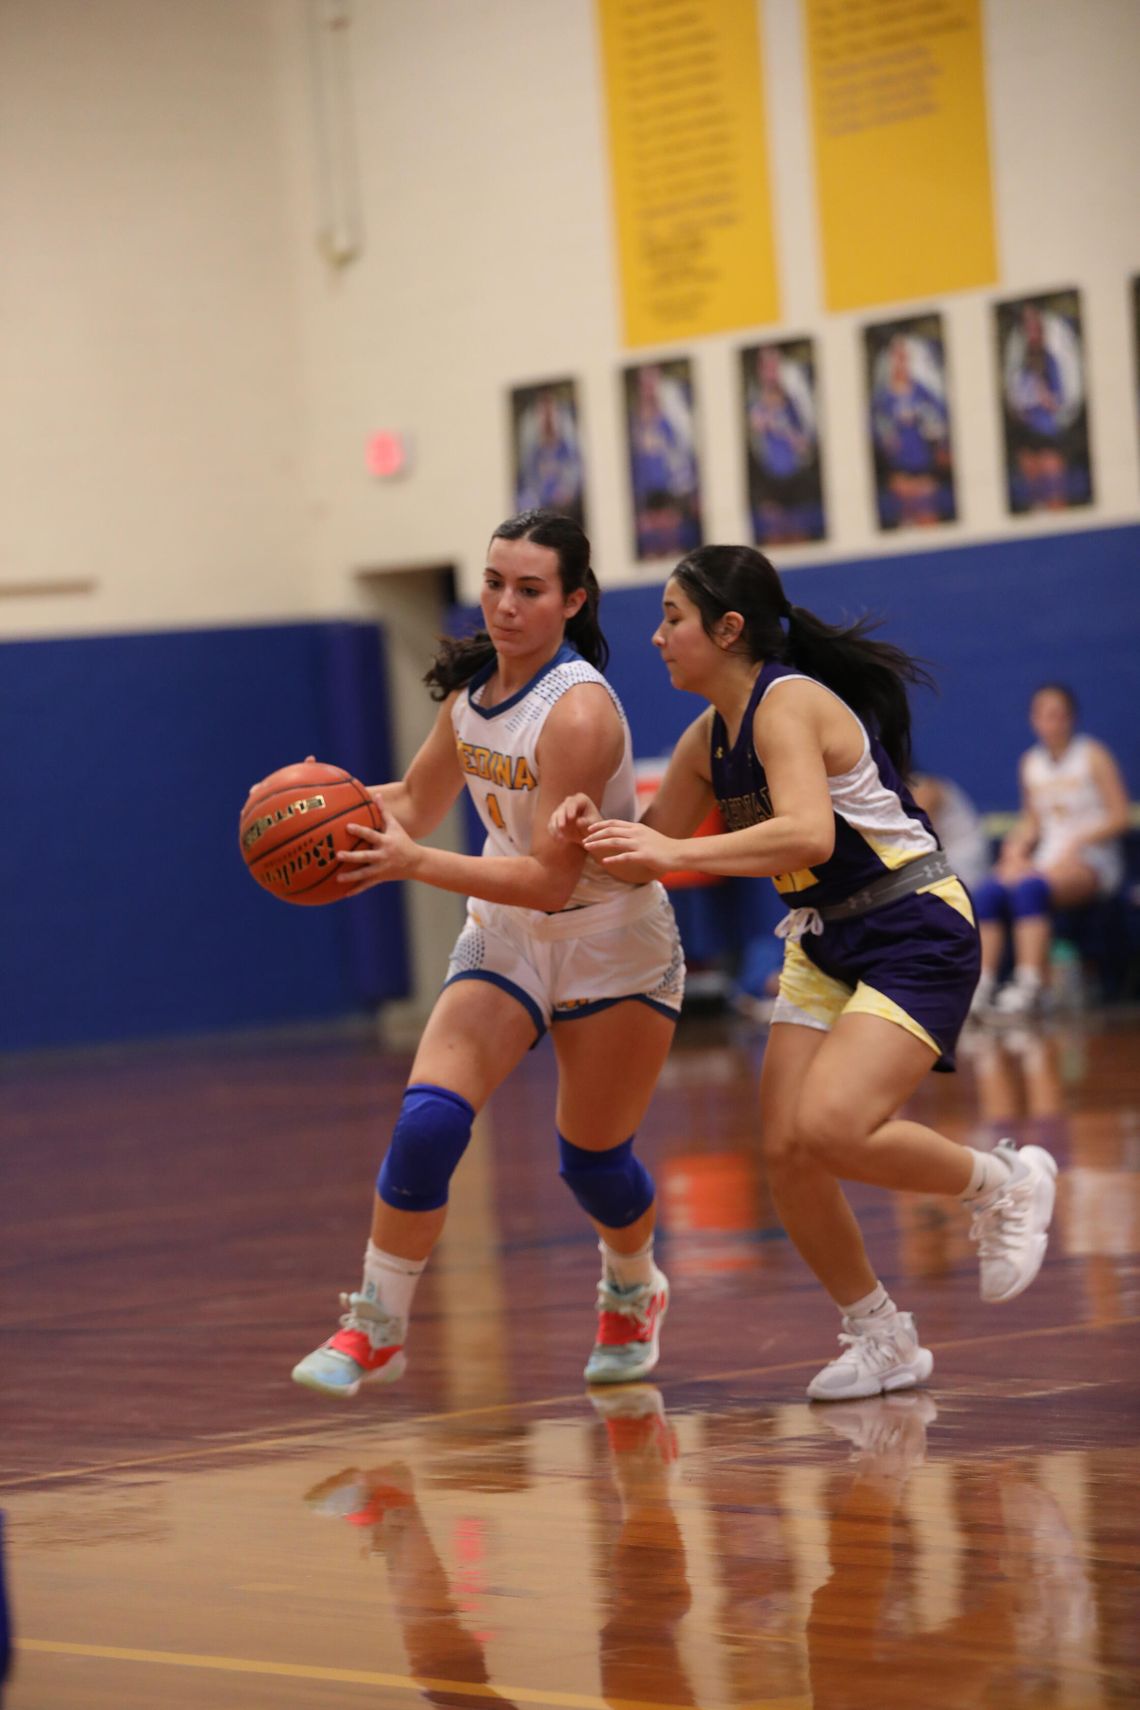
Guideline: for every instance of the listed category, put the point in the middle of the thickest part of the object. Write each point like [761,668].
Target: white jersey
[498,751]
[1065,799]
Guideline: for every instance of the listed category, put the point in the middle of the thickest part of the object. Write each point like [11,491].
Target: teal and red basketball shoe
[629,1330]
[368,1348]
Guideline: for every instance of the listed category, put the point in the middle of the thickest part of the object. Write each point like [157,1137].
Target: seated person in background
[1063,852]
[957,824]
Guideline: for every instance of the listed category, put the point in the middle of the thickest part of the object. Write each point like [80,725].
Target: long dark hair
[458,660]
[870,676]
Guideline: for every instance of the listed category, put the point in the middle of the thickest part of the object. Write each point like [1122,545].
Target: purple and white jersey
[878,826]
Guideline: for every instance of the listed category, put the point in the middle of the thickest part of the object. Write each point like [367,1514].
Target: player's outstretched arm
[642,851]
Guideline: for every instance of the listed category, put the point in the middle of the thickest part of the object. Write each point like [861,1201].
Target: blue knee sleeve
[430,1137]
[613,1187]
[991,900]
[1029,897]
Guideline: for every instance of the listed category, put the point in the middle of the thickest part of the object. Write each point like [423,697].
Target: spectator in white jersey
[1063,852]
[551,940]
[957,824]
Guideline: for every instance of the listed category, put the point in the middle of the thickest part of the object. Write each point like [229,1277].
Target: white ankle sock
[1028,978]
[390,1282]
[877,1304]
[991,1170]
[627,1270]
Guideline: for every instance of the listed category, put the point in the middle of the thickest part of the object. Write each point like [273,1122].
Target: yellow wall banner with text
[898,99]
[689,164]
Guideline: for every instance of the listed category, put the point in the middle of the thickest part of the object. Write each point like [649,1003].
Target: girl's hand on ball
[388,854]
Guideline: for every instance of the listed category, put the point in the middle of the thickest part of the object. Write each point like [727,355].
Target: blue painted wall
[125,907]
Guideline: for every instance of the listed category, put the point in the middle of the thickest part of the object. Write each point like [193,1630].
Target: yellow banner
[901,149]
[690,166]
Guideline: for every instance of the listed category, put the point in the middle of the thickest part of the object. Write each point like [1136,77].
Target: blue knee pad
[1029,897]
[430,1137]
[991,900]
[613,1187]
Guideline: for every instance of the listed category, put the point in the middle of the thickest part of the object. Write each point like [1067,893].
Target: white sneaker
[879,1355]
[1011,1224]
[1020,1002]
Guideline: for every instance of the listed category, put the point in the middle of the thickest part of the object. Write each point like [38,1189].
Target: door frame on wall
[411,603]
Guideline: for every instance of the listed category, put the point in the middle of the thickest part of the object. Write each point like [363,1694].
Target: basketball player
[550,941]
[1064,851]
[804,746]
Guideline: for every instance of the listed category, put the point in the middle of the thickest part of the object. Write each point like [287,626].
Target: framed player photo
[909,415]
[1044,402]
[547,466]
[781,438]
[663,468]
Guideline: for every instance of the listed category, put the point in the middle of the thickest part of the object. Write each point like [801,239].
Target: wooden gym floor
[187,1528]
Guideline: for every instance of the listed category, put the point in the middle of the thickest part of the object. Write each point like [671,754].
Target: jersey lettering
[501,770]
[742,811]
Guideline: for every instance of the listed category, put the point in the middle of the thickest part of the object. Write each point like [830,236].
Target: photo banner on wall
[1044,401]
[688,166]
[902,165]
[781,436]
[546,449]
[663,470]
[910,422]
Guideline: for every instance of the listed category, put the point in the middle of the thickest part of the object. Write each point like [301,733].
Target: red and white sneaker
[368,1348]
[629,1330]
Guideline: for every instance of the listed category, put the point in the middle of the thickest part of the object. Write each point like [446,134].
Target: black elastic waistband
[902,882]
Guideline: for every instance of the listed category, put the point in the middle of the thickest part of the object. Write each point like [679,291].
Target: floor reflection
[837,1558]
[381,1505]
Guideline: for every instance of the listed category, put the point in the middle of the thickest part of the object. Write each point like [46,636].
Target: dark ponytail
[459,660]
[870,676]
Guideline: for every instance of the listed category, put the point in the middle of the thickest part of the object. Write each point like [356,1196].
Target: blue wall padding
[126,909]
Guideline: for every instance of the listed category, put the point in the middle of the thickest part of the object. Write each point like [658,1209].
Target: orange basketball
[294,823]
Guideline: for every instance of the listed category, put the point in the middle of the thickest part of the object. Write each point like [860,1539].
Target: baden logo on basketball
[322,853]
[254,833]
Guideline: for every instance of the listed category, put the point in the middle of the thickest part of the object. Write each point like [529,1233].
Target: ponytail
[459,660]
[872,677]
[583,631]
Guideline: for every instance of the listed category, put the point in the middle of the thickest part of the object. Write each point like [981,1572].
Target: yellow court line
[365,1677]
[415,1421]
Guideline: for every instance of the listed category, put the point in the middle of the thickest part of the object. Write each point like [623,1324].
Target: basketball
[294,823]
